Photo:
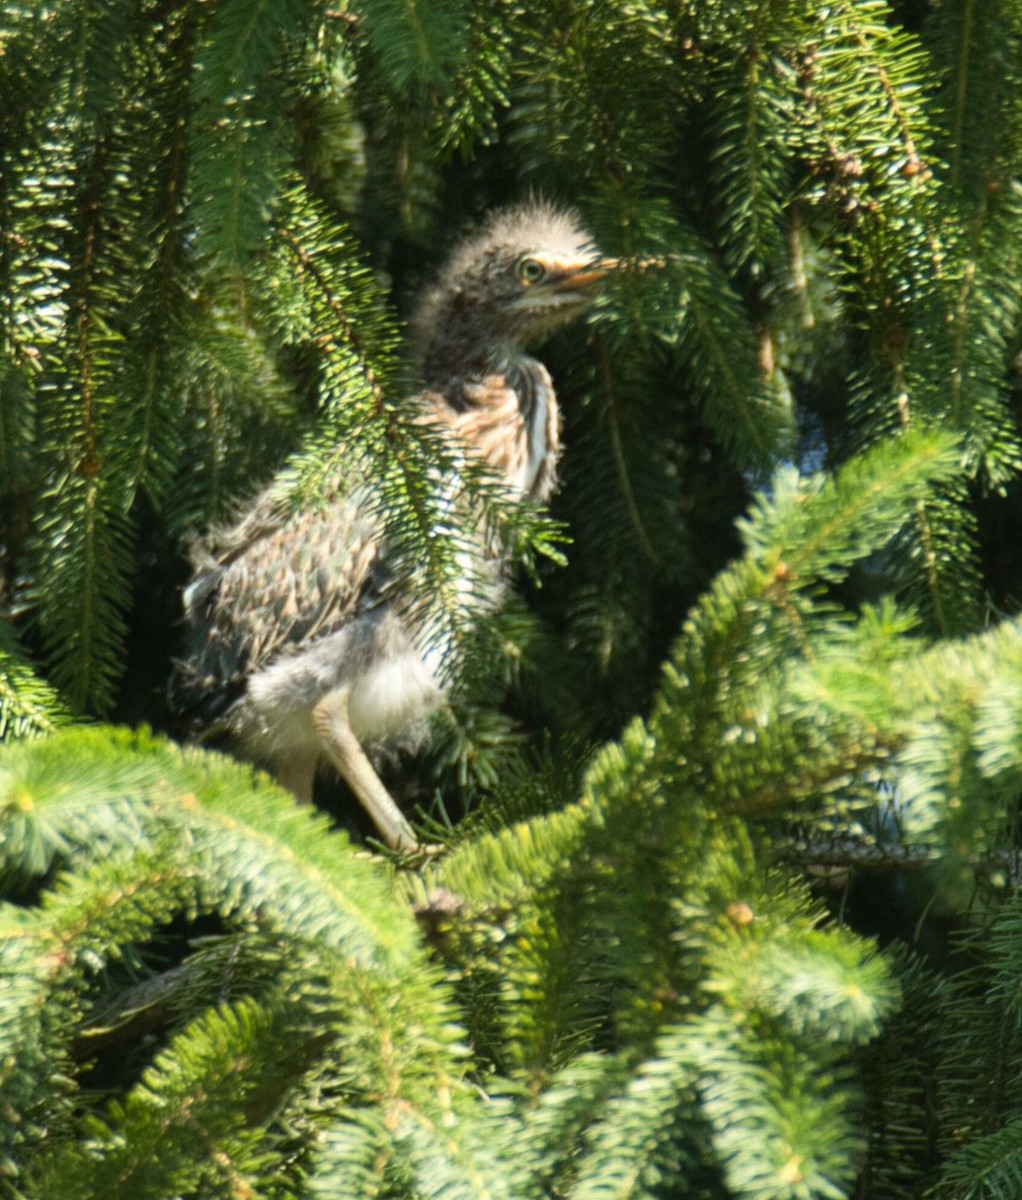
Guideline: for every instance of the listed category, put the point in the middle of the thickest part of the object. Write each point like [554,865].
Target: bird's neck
[505,408]
[450,360]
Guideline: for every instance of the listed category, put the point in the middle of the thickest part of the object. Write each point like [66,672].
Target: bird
[304,646]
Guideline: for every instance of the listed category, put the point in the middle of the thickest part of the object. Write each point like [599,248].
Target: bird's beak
[583,275]
[588,273]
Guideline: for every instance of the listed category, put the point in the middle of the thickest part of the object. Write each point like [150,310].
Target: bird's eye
[531,270]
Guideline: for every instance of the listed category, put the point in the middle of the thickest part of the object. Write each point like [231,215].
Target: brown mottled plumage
[299,647]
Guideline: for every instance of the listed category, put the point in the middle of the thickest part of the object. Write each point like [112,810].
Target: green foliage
[785,629]
[28,705]
[179,835]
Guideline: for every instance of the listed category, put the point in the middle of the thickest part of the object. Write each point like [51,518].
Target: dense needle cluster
[301,646]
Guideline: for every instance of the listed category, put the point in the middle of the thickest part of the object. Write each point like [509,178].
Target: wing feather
[270,584]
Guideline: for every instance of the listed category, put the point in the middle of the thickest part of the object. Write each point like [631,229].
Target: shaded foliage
[785,630]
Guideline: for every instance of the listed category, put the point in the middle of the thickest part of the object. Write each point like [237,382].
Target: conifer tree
[763,664]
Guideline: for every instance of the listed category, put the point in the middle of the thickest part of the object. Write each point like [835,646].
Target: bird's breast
[511,418]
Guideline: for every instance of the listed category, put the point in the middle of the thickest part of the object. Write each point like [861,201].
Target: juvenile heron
[302,647]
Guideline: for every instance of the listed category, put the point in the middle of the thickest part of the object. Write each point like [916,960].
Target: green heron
[302,647]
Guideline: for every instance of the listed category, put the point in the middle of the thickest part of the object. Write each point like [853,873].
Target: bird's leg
[330,720]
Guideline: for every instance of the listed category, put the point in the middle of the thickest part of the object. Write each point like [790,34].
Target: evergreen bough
[778,642]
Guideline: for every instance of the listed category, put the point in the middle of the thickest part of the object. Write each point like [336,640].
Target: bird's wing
[269,585]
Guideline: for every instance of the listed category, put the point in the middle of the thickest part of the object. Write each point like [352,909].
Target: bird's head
[528,270]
